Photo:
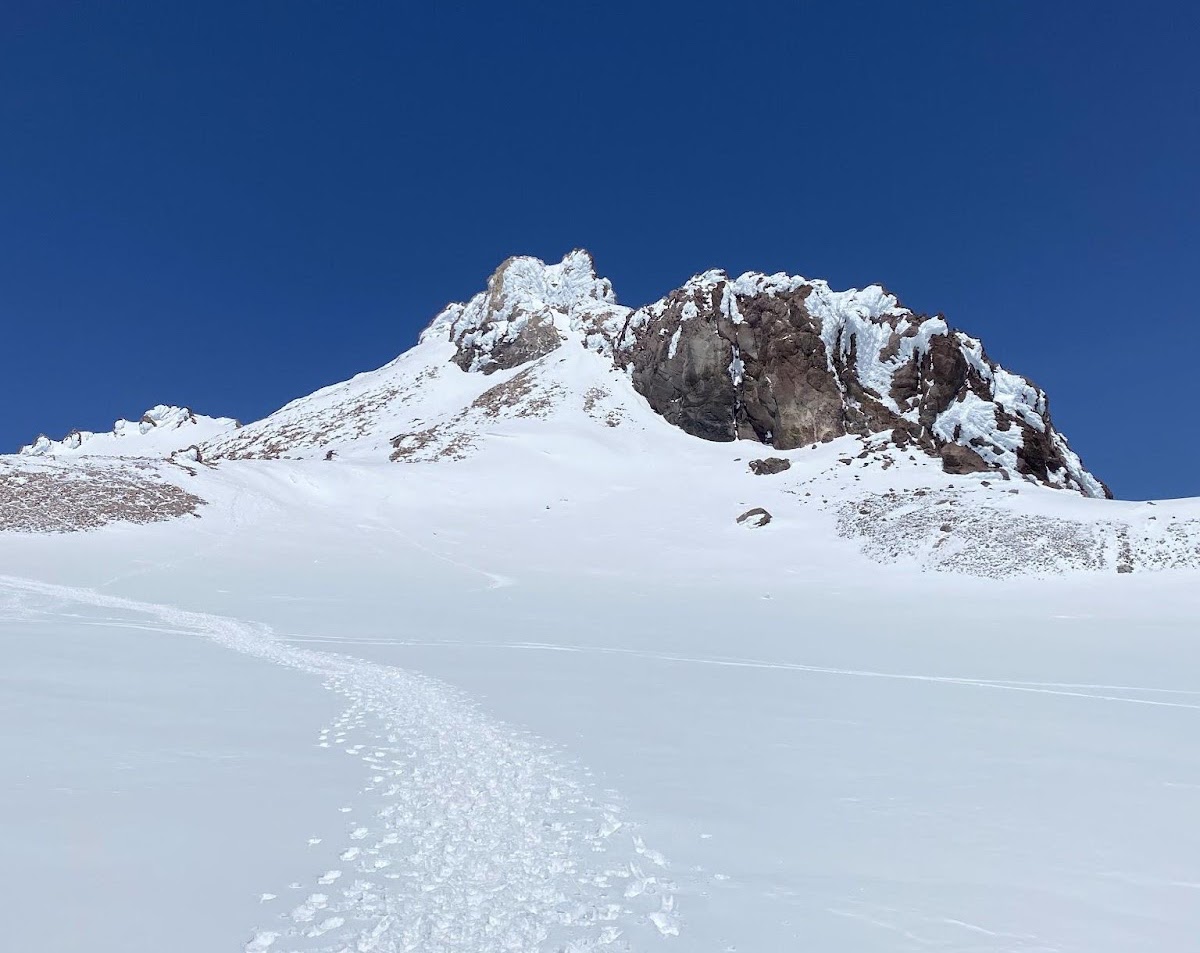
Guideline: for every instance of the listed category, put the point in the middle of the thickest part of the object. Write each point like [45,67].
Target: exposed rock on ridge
[525,312]
[779,359]
[150,434]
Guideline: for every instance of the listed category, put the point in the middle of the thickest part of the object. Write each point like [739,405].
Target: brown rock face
[769,376]
[766,377]
[685,375]
[790,397]
[958,459]
[942,378]
[755,360]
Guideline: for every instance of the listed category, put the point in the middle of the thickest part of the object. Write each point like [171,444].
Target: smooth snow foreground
[560,700]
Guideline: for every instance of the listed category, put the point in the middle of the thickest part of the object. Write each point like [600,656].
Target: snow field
[491,843]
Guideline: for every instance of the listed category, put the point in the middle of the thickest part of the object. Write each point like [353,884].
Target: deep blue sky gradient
[228,205]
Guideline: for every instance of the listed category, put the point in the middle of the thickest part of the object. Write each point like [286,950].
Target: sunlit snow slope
[580,704]
[463,659]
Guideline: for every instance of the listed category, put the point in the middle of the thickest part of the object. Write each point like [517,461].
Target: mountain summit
[779,359]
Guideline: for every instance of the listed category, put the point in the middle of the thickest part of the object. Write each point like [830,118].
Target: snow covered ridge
[159,431]
[528,308]
[780,359]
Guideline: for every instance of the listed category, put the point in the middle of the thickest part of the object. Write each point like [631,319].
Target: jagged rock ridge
[159,430]
[780,359]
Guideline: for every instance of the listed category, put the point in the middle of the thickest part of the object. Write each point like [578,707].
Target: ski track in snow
[1041,688]
[482,839]
[495,580]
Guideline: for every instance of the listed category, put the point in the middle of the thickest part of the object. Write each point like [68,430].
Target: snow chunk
[674,345]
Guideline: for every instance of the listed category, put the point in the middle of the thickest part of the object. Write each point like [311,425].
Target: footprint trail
[478,838]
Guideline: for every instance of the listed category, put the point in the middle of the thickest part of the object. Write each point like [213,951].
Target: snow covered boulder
[190,454]
[769,466]
[755,517]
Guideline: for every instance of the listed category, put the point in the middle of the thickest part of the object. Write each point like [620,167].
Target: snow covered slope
[475,653]
[572,704]
[160,430]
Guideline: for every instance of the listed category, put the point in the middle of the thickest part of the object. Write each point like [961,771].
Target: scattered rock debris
[64,499]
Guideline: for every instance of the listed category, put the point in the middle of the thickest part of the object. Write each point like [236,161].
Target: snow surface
[460,663]
[546,694]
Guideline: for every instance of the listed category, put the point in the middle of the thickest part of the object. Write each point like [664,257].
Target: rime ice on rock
[526,312]
[781,359]
[159,431]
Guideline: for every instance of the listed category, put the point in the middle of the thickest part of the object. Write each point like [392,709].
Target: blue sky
[227,205]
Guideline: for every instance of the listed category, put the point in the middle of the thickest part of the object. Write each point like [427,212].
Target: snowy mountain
[764,617]
[777,359]
[160,430]
[898,429]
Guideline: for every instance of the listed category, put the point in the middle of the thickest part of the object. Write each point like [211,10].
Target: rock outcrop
[770,466]
[959,459]
[779,359]
[526,312]
[790,362]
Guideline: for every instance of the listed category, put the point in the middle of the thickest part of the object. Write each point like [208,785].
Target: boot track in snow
[482,838]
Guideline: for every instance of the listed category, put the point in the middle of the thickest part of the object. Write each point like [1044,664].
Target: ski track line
[495,580]
[483,841]
[1041,688]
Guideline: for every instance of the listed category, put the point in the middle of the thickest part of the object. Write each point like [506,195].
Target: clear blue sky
[227,205]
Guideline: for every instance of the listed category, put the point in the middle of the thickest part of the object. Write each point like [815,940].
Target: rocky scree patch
[955,531]
[64,499]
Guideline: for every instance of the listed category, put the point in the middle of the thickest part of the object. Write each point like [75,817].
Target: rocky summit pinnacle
[524,312]
[779,359]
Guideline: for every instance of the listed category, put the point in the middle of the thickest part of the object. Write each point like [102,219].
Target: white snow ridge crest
[481,841]
[156,433]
